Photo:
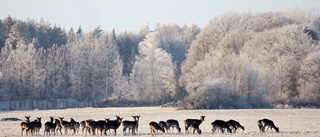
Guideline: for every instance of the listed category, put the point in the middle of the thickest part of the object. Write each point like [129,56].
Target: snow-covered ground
[291,122]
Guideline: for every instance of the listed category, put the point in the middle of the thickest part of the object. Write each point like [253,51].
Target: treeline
[239,60]
[97,68]
[255,60]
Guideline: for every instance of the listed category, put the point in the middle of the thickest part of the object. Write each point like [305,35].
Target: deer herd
[92,127]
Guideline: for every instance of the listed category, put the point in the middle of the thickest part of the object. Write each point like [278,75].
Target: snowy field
[291,122]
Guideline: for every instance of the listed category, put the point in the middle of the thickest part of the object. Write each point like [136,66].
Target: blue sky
[131,15]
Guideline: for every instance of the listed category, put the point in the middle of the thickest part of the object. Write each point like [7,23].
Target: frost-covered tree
[2,38]
[95,66]
[9,89]
[245,87]
[310,78]
[19,32]
[8,22]
[153,72]
[276,42]
[54,75]
[280,51]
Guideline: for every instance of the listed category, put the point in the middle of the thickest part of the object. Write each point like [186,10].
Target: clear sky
[131,15]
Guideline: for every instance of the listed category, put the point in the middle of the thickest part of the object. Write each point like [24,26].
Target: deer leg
[22,131]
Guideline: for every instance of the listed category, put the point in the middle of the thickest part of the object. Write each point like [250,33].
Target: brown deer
[195,127]
[220,125]
[58,126]
[174,124]
[234,125]
[188,122]
[263,123]
[133,125]
[69,125]
[154,127]
[26,126]
[49,127]
[36,126]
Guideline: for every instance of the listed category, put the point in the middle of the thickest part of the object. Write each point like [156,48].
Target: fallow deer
[220,125]
[174,124]
[26,126]
[234,125]
[90,125]
[263,123]
[36,126]
[114,124]
[164,125]
[83,126]
[154,127]
[133,125]
[69,125]
[101,126]
[75,125]
[58,126]
[49,127]
[188,122]
[195,127]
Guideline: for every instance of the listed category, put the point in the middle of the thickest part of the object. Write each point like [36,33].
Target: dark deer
[195,127]
[114,124]
[174,124]
[90,125]
[75,125]
[83,126]
[164,125]
[101,126]
[220,125]
[133,125]
[26,126]
[58,126]
[262,124]
[188,122]
[234,125]
[36,126]
[49,127]
[154,127]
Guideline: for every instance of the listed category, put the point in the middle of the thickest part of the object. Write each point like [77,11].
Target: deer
[83,126]
[49,127]
[69,125]
[133,125]
[76,125]
[188,122]
[263,123]
[220,125]
[58,126]
[174,124]
[90,125]
[234,125]
[154,127]
[101,126]
[114,124]
[195,127]
[36,125]
[26,126]
[164,125]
